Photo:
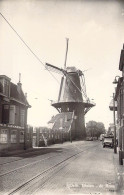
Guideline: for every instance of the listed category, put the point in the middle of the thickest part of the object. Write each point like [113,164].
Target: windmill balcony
[87,103]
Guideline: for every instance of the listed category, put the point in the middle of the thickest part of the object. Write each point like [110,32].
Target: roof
[62,121]
[17,94]
[4,76]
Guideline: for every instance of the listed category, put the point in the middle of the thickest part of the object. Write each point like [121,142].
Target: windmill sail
[54,68]
[66,53]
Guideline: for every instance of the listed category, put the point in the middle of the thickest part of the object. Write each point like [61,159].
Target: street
[83,167]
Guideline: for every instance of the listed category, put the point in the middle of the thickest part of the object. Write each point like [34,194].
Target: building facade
[13,115]
[119,97]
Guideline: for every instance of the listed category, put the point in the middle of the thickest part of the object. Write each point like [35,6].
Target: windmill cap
[74,70]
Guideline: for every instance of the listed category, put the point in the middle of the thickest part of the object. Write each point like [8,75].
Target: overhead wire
[27,46]
[84,92]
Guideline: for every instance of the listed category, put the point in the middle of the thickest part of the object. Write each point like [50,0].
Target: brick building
[119,97]
[13,115]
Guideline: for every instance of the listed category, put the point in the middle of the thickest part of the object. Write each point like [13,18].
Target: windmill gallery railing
[88,103]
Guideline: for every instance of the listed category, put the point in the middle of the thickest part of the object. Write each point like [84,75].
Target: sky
[96,35]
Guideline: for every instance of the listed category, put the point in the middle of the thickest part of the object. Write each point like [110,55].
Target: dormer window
[1,85]
[5,85]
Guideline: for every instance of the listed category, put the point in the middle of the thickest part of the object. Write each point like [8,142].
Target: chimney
[19,84]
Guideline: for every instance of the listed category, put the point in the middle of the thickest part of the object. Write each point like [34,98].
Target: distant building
[13,115]
[63,123]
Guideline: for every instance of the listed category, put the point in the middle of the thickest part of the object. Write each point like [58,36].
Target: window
[6,87]
[28,136]
[34,129]
[22,117]
[13,136]
[1,85]
[12,113]
[21,136]
[17,120]
[5,114]
[41,137]
[3,136]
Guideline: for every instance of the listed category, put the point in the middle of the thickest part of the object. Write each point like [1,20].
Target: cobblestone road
[93,171]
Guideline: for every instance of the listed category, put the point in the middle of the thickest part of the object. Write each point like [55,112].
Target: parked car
[89,139]
[101,137]
[108,141]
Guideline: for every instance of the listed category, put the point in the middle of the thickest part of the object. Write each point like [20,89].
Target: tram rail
[20,158]
[25,153]
[23,187]
[26,165]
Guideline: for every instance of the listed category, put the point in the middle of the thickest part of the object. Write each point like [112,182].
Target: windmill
[72,97]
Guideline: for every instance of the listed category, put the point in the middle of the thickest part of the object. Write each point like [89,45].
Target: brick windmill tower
[70,103]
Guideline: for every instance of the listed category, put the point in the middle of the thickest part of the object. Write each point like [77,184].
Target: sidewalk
[22,151]
[119,169]
[16,152]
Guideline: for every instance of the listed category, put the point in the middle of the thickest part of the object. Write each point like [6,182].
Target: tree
[95,129]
